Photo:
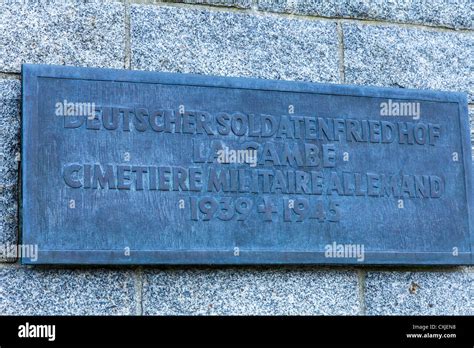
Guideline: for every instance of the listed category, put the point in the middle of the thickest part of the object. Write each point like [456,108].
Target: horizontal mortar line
[435,28]
[12,264]
[10,75]
[217,8]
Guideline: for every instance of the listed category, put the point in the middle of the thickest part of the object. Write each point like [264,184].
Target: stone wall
[407,44]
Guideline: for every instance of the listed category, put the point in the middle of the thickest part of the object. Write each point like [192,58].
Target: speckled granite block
[9,130]
[54,291]
[453,14]
[61,32]
[410,58]
[250,291]
[177,39]
[8,221]
[420,293]
[9,149]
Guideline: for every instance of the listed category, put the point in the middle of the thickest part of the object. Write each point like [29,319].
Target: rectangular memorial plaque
[129,167]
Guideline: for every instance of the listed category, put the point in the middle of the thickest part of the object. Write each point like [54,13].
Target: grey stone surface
[55,291]
[61,32]
[420,292]
[250,291]
[9,147]
[454,14]
[392,56]
[8,222]
[183,40]
[9,130]
[10,88]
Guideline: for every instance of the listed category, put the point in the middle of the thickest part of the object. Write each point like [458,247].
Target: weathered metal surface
[187,169]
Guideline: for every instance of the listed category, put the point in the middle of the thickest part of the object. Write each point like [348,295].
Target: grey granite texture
[428,292]
[9,151]
[61,32]
[9,130]
[176,39]
[8,222]
[55,291]
[453,14]
[250,291]
[391,56]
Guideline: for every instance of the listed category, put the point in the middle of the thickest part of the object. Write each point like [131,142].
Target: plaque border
[30,74]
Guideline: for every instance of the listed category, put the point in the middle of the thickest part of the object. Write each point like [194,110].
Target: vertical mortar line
[254,5]
[139,290]
[340,36]
[10,76]
[361,293]
[128,50]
